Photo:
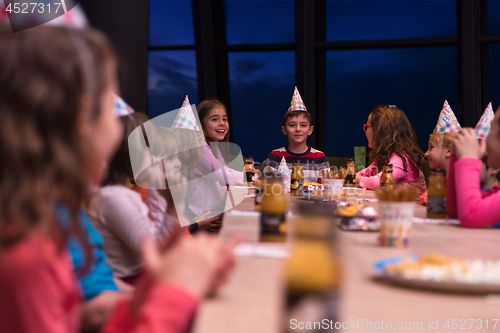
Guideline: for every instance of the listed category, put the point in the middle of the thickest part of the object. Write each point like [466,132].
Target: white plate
[447,286]
[354,190]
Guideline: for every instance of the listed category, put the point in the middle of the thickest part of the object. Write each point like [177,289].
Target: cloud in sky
[167,74]
[171,76]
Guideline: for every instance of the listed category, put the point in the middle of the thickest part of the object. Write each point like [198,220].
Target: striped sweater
[312,160]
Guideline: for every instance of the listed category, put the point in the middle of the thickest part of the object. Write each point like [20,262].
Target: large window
[417,80]
[172,75]
[493,7]
[170,22]
[261,90]
[494,75]
[172,59]
[493,17]
[344,55]
[351,20]
[256,22]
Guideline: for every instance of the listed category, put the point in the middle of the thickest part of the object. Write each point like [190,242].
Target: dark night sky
[418,80]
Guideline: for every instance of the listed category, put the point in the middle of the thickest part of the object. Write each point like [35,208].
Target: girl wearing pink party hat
[439,149]
[465,200]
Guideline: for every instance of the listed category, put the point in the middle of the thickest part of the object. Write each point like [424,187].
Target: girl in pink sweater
[393,141]
[465,200]
[57,129]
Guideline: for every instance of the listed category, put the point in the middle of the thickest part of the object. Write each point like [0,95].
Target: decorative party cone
[484,125]
[121,108]
[297,104]
[447,122]
[185,118]
[285,172]
[283,167]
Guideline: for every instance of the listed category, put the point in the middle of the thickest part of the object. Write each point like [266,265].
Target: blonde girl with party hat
[439,147]
[466,201]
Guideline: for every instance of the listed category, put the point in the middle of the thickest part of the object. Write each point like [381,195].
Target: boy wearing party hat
[297,127]
[439,147]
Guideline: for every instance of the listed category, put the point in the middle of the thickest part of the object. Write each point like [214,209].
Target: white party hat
[121,108]
[484,124]
[296,104]
[447,122]
[185,118]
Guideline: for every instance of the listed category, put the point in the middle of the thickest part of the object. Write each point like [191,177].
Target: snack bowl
[313,197]
[353,216]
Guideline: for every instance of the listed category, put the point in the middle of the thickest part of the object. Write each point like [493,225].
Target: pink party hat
[484,124]
[447,122]
[121,108]
[185,118]
[297,104]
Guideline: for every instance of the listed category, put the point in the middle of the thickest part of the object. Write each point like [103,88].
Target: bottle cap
[440,171]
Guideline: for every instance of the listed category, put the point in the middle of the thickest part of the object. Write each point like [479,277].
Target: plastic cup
[396,221]
[333,188]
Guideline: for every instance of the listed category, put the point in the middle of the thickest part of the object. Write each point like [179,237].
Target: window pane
[171,76]
[416,80]
[375,19]
[494,74]
[255,22]
[262,85]
[170,22]
[493,17]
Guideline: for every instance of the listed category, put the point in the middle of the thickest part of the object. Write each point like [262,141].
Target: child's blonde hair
[445,139]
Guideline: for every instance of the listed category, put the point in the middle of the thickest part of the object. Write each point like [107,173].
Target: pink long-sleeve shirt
[39,294]
[414,176]
[465,200]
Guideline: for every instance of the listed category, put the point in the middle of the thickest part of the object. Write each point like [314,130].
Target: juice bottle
[297,179]
[249,170]
[387,179]
[351,173]
[259,192]
[436,194]
[312,273]
[273,209]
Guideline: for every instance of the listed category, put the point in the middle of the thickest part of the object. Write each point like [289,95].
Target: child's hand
[358,179]
[466,145]
[211,224]
[198,265]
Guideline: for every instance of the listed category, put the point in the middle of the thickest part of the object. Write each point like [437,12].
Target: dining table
[252,301]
